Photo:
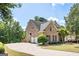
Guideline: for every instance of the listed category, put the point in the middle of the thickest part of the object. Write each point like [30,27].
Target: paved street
[33,49]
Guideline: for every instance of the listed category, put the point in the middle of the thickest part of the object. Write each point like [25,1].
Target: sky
[50,11]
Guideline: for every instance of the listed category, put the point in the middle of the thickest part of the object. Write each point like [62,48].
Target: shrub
[2,47]
[42,39]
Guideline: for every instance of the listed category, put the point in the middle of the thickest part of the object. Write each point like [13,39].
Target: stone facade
[32,31]
[47,28]
[51,33]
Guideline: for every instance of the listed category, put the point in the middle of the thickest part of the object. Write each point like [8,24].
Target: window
[50,29]
[30,33]
[53,37]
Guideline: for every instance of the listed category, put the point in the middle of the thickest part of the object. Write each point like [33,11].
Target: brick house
[48,28]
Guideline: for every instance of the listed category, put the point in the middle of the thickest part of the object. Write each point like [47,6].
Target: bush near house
[1,48]
[42,39]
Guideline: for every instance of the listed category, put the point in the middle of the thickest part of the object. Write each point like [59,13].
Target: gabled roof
[42,25]
[56,24]
[37,23]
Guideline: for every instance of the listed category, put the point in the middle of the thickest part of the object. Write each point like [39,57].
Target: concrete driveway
[35,50]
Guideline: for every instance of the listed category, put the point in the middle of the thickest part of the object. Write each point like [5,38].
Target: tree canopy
[10,30]
[42,39]
[41,19]
[63,32]
[6,10]
[72,20]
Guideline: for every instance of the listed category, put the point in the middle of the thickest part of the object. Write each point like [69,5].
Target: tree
[5,10]
[72,20]
[14,32]
[24,34]
[2,32]
[63,33]
[36,18]
[41,19]
[42,39]
[17,32]
[2,49]
[11,32]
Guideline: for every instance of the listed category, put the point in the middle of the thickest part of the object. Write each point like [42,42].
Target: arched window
[55,38]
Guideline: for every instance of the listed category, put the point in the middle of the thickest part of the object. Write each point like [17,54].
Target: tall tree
[36,18]
[72,20]
[2,32]
[11,32]
[63,32]
[18,32]
[5,10]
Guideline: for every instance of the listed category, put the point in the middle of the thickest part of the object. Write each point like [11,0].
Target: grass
[2,49]
[15,53]
[63,47]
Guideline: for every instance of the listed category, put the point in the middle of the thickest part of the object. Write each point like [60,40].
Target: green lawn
[63,47]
